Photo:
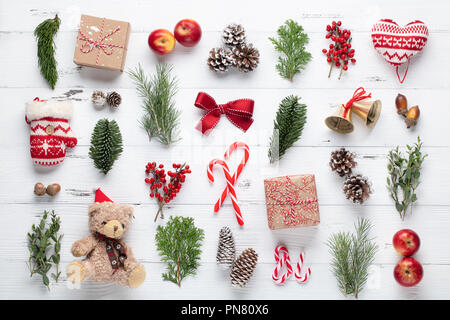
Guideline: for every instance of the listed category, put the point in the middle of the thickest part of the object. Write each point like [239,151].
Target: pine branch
[352,256]
[179,244]
[44,33]
[291,44]
[161,118]
[106,144]
[288,126]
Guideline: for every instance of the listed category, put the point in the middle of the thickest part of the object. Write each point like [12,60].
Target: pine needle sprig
[352,253]
[288,126]
[291,44]
[404,176]
[106,144]
[179,244]
[161,118]
[45,33]
[44,245]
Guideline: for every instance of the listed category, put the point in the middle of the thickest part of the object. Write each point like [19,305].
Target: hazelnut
[39,189]
[53,189]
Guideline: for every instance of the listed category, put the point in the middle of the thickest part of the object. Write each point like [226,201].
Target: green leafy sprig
[288,126]
[44,33]
[179,244]
[352,253]
[161,118]
[44,244]
[404,176]
[291,44]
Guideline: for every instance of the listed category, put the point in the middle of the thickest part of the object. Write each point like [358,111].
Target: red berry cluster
[159,180]
[340,52]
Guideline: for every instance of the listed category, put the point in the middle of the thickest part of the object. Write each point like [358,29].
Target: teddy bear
[107,257]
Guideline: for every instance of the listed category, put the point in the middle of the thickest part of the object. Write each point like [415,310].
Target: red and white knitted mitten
[50,132]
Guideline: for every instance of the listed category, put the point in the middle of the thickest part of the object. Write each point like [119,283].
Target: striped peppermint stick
[298,276]
[282,257]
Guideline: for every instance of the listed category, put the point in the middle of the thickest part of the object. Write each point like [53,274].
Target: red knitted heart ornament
[398,44]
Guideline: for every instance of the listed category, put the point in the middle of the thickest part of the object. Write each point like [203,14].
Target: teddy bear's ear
[93,208]
[128,210]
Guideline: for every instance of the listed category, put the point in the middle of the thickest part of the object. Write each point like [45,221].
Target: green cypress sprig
[179,244]
[287,126]
[106,144]
[45,33]
[291,44]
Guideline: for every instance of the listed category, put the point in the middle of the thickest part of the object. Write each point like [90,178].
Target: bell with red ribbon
[239,112]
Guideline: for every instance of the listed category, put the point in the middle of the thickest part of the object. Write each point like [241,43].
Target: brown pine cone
[220,59]
[226,251]
[234,35]
[246,57]
[243,268]
[342,162]
[98,98]
[357,189]
[113,99]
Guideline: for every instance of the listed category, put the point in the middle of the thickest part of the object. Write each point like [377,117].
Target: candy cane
[305,277]
[238,171]
[230,186]
[284,259]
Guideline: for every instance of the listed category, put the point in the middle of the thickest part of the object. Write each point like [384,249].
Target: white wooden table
[427,85]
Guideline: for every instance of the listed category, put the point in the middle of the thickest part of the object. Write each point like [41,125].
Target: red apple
[161,41]
[406,242]
[188,32]
[408,272]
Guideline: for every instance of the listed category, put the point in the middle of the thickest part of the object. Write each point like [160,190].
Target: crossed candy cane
[282,257]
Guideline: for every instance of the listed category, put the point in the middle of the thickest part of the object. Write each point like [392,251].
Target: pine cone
[226,251]
[220,59]
[243,268]
[234,35]
[357,189]
[246,57]
[342,162]
[113,99]
[98,98]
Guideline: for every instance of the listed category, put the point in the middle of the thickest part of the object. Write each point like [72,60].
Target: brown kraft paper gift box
[291,201]
[102,43]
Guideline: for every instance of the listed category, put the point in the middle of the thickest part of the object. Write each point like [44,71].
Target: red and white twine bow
[90,44]
[282,258]
[358,95]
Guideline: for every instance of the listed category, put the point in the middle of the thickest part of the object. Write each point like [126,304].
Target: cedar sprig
[161,117]
[44,244]
[291,44]
[44,33]
[288,126]
[179,244]
[352,253]
[106,144]
[404,176]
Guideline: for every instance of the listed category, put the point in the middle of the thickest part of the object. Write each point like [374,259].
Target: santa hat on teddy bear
[101,197]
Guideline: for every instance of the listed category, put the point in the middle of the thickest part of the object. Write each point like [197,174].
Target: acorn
[39,189]
[53,189]
[402,104]
[412,116]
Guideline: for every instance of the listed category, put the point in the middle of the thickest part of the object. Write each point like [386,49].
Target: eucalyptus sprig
[44,245]
[291,44]
[404,176]
[352,253]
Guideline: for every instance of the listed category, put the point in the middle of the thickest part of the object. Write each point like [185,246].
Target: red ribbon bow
[239,112]
[358,95]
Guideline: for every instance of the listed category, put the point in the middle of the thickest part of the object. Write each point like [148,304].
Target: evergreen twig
[352,256]
[179,244]
[161,118]
[44,33]
[291,44]
[288,126]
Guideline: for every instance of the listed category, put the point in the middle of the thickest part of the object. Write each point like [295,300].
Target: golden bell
[340,121]
[369,111]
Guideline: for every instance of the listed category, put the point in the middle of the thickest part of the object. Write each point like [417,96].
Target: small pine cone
[113,99]
[243,268]
[220,59]
[342,162]
[234,35]
[98,98]
[246,57]
[226,251]
[357,189]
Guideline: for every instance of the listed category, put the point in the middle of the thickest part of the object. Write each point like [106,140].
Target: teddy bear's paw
[137,276]
[75,272]
[79,250]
